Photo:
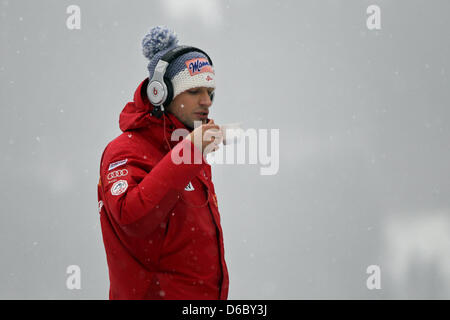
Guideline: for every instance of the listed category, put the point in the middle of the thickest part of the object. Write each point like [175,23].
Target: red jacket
[160,221]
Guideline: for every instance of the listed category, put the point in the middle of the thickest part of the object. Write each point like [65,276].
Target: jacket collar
[136,116]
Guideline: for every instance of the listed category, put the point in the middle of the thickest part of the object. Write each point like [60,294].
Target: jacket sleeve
[140,200]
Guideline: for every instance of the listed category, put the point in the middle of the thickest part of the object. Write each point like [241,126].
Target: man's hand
[206,137]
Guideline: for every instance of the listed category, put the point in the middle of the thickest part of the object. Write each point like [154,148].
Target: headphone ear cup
[169,92]
[155,92]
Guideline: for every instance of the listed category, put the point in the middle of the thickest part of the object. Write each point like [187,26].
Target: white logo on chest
[189,187]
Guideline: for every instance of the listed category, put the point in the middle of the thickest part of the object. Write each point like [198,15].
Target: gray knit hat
[190,70]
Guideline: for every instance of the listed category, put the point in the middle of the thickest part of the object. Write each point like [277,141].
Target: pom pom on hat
[158,39]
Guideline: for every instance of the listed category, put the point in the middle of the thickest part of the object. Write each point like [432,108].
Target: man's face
[192,105]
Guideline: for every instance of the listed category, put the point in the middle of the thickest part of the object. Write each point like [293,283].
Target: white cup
[231,132]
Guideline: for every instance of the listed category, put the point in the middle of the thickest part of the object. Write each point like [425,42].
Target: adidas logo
[189,187]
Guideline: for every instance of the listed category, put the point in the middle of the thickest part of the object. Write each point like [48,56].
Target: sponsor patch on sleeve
[119,187]
[117,174]
[117,164]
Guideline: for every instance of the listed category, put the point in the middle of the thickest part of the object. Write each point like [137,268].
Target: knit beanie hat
[190,70]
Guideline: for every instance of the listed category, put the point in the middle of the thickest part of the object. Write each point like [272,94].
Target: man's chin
[192,124]
[197,123]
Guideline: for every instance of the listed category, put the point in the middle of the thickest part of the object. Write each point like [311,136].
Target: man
[160,220]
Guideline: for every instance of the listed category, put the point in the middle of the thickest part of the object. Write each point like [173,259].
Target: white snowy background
[364,141]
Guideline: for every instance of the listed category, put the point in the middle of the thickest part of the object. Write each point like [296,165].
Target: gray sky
[363,123]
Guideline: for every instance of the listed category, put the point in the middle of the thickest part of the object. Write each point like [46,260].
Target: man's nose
[205,99]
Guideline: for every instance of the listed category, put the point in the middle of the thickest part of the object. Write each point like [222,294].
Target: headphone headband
[179,51]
